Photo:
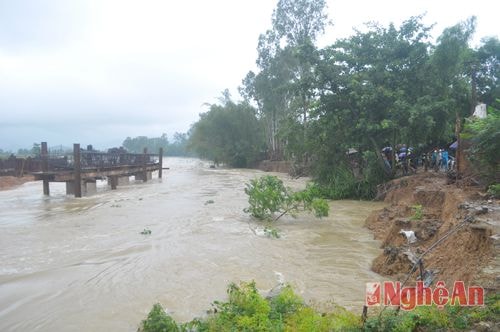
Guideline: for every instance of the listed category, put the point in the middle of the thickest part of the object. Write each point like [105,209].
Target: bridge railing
[102,160]
[16,166]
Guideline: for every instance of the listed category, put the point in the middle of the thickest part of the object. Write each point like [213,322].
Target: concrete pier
[144,176]
[123,180]
[45,167]
[113,182]
[90,187]
[71,188]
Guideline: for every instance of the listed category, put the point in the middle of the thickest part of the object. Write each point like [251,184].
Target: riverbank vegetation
[484,151]
[247,310]
[331,110]
[228,133]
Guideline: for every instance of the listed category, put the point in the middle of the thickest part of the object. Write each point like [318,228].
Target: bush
[247,310]
[158,321]
[418,212]
[339,181]
[494,190]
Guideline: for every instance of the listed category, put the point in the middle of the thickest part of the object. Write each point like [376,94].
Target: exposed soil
[9,182]
[469,253]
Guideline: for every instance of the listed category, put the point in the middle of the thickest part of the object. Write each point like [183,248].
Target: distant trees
[34,151]
[153,144]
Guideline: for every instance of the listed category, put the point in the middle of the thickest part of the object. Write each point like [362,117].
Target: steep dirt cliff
[467,219]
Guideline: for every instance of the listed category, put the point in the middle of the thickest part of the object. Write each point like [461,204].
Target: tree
[284,87]
[487,73]
[484,152]
[370,88]
[229,133]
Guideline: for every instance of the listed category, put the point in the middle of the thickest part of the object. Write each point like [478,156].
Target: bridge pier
[90,186]
[123,180]
[144,176]
[71,188]
[145,161]
[113,182]
[78,175]
[45,167]
[160,169]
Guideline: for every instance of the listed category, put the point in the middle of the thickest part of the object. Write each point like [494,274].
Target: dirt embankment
[9,182]
[432,209]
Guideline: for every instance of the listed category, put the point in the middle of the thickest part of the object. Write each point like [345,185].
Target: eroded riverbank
[82,264]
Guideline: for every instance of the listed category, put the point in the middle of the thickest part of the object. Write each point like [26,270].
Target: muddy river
[82,265]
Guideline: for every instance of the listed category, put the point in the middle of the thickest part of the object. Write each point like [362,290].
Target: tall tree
[284,87]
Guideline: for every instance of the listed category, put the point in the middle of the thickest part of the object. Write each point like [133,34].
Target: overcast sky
[97,71]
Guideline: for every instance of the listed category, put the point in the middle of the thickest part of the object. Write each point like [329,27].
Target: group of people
[440,160]
[408,161]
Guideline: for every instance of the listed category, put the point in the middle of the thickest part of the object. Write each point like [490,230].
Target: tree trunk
[379,156]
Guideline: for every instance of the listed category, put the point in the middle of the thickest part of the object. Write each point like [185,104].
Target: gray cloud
[97,71]
[35,24]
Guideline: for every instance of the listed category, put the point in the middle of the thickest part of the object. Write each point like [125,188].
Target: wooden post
[422,270]
[364,315]
[78,169]
[145,163]
[160,170]
[458,152]
[45,167]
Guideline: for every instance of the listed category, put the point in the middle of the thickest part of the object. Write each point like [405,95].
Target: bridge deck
[95,173]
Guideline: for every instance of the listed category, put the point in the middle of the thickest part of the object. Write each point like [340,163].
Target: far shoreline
[11,182]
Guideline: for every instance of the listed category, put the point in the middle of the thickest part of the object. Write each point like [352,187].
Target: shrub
[158,321]
[494,190]
[418,212]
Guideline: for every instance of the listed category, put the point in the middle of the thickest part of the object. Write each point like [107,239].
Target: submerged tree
[269,199]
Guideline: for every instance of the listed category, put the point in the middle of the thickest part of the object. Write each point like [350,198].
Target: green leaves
[159,321]
[268,196]
[229,134]
[484,134]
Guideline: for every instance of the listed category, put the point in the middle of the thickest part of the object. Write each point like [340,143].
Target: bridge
[81,169]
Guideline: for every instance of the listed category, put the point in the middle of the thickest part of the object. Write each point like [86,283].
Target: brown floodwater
[82,265]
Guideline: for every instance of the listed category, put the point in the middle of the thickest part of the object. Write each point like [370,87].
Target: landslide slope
[424,203]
